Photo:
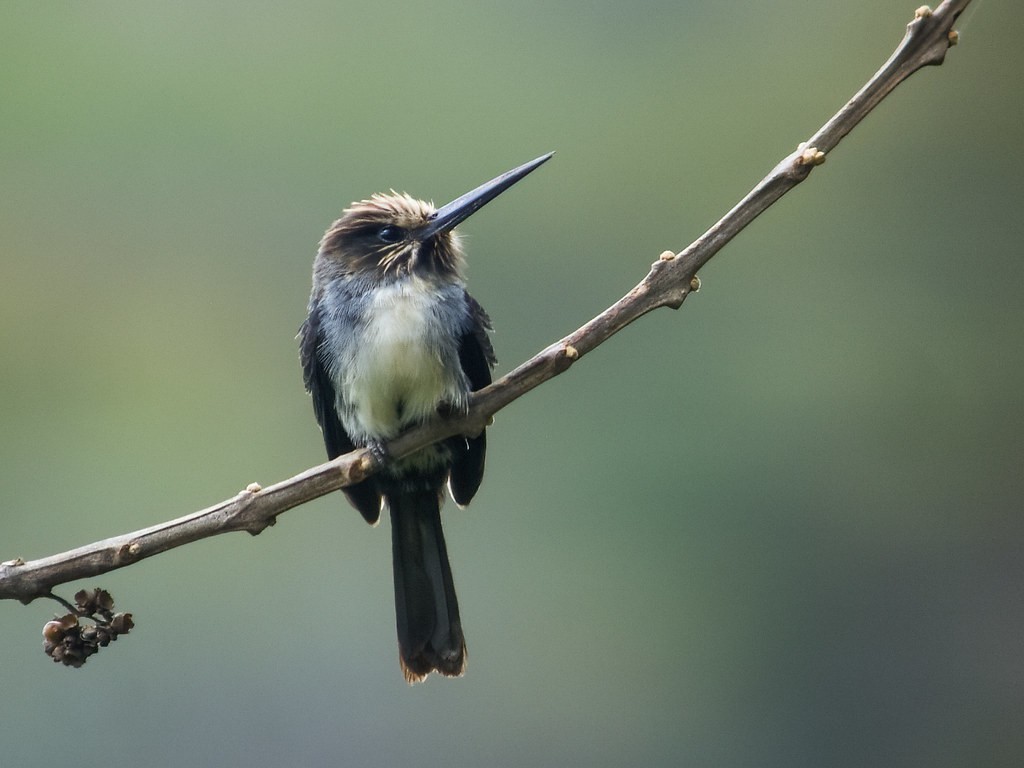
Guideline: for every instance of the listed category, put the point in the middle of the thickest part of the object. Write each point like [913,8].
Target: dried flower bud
[68,641]
[122,623]
[94,601]
[53,631]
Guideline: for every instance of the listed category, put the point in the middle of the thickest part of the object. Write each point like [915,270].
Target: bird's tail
[427,611]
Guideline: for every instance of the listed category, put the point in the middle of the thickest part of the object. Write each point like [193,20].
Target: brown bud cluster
[71,642]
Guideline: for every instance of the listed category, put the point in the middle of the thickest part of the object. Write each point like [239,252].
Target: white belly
[397,377]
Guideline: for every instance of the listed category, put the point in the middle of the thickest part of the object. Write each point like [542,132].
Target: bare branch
[671,279]
[251,510]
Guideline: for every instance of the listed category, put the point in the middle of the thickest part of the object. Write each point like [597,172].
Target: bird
[391,339]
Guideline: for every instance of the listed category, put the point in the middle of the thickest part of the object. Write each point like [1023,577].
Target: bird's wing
[476,355]
[363,496]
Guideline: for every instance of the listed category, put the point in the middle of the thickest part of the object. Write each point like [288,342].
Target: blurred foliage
[781,527]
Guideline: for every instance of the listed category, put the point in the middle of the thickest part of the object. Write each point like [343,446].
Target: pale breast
[397,376]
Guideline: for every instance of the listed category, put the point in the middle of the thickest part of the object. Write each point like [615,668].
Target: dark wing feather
[363,496]
[476,356]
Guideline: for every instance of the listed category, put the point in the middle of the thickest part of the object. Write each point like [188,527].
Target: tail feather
[427,612]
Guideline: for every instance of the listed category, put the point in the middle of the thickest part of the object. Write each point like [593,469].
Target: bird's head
[386,234]
[393,234]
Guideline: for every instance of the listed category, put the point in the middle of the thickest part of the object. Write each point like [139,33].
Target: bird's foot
[379,451]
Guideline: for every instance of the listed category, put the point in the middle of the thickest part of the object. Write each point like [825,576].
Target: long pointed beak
[460,209]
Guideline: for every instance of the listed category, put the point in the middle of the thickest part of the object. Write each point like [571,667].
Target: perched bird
[391,338]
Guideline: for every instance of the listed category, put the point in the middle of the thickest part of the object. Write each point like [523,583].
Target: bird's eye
[390,234]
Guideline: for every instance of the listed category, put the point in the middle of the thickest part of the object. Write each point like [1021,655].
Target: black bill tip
[449,216]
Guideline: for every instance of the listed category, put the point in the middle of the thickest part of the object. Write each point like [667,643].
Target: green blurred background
[779,528]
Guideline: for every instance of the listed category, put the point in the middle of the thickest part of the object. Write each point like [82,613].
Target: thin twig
[67,606]
[671,279]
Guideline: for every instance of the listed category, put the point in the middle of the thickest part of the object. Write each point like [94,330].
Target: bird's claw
[379,451]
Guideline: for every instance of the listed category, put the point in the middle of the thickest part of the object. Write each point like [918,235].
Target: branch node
[258,527]
[254,488]
[362,468]
[128,552]
[667,256]
[810,155]
[953,37]
[923,12]
[566,356]
[694,284]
